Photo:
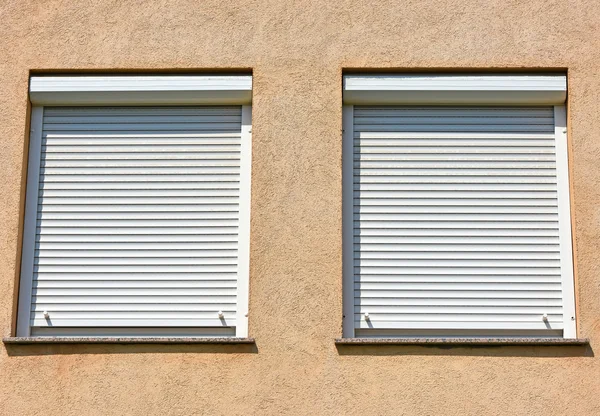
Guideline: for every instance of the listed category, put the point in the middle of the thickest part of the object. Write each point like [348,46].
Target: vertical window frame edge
[565,232]
[243,278]
[30,222]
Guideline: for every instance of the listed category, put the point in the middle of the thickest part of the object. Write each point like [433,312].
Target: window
[456,207]
[137,207]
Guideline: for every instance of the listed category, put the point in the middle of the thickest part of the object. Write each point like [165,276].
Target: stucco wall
[297,50]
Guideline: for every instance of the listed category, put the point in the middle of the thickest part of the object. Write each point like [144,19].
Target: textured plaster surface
[297,50]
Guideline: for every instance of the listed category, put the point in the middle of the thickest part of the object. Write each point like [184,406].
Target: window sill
[126,340]
[464,342]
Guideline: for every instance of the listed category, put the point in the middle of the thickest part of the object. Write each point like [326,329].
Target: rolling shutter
[138,216]
[460,221]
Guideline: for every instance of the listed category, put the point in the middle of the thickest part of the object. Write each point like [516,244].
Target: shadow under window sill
[492,347]
[32,346]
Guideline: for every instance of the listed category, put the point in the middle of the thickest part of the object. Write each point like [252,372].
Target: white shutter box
[455,89]
[457,221]
[140,90]
[137,221]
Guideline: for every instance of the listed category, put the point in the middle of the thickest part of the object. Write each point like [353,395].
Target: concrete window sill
[126,340]
[464,342]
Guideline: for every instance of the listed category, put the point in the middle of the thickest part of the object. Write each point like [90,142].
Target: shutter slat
[90,247]
[458,126]
[135,238]
[151,208]
[451,248]
[131,268]
[137,323]
[483,326]
[394,287]
[137,284]
[131,261]
[135,307]
[145,276]
[124,179]
[456,219]
[137,215]
[137,219]
[130,252]
[143,291]
[441,278]
[223,154]
[135,163]
[147,119]
[424,267]
[128,315]
[487,112]
[402,140]
[390,210]
[157,199]
[115,193]
[379,312]
[387,297]
[154,111]
[159,170]
[393,218]
[365,150]
[399,304]
[115,186]
[363,254]
[134,126]
[448,119]
[133,146]
[440,223]
[59,300]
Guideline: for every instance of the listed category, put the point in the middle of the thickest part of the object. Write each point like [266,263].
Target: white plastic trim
[348,220]
[455,89]
[564,221]
[141,90]
[243,277]
[31,203]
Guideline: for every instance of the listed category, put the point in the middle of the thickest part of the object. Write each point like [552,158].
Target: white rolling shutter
[460,221]
[138,218]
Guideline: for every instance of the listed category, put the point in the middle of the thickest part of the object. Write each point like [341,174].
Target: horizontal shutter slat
[134,307]
[482,326]
[137,323]
[145,299]
[144,275]
[138,284]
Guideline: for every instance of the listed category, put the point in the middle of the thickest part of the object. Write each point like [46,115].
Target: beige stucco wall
[297,50]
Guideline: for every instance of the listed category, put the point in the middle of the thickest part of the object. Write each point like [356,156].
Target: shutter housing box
[457,216]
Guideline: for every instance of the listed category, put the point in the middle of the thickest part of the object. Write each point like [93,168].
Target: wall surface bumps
[297,50]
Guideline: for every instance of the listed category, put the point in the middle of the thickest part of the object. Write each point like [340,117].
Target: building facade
[303,310]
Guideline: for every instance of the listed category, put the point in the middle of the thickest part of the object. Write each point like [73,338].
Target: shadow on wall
[542,351]
[18,350]
[343,350]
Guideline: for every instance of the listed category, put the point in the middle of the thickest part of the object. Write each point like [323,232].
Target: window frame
[231,90]
[417,90]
